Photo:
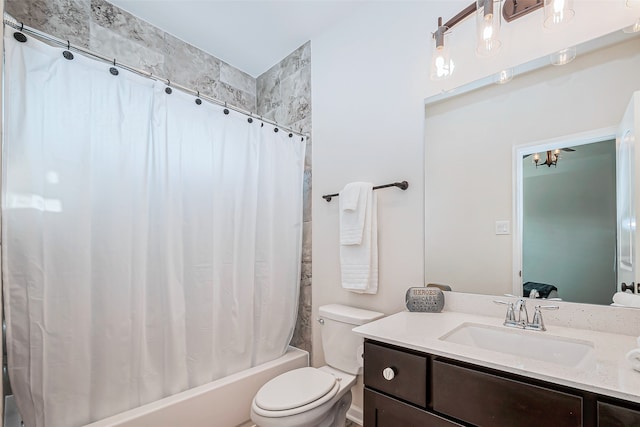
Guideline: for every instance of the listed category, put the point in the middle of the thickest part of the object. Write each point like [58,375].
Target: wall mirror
[480,143]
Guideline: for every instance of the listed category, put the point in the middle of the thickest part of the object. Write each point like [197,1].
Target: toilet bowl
[305,397]
[317,397]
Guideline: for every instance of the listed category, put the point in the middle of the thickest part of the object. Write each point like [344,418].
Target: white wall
[370,75]
[368,83]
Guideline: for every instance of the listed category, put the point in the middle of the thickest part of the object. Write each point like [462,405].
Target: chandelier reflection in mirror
[552,157]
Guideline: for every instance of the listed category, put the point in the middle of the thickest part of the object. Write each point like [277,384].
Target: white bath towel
[359,261]
[626,299]
[353,207]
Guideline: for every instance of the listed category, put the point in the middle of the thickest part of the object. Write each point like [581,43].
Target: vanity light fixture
[441,63]
[488,27]
[564,56]
[488,20]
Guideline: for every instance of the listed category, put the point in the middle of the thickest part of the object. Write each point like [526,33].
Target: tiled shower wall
[283,93]
[112,32]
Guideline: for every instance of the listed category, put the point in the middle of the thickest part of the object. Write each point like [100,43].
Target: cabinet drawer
[610,415]
[409,380]
[383,411]
[487,400]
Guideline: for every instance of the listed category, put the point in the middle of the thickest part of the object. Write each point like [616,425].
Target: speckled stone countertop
[605,371]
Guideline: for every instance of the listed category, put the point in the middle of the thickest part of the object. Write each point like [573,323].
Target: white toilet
[318,397]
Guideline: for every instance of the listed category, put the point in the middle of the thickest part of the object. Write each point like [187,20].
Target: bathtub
[222,403]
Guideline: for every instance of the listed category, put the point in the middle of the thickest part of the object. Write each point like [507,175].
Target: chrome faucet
[515,318]
[537,324]
[521,306]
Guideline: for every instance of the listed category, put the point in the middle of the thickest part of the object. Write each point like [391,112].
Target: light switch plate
[503,227]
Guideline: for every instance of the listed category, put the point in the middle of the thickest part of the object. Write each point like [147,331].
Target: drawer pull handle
[388,373]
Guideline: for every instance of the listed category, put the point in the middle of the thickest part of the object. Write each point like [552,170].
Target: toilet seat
[295,392]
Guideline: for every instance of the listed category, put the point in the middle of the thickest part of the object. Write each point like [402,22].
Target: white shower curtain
[149,244]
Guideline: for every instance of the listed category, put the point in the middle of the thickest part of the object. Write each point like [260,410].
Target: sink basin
[529,344]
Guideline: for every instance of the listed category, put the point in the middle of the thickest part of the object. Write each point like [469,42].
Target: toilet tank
[342,348]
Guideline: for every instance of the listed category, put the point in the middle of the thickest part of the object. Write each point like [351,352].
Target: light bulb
[557,12]
[488,27]
[442,68]
[558,6]
[487,33]
[441,64]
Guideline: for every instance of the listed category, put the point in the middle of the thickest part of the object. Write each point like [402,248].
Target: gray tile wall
[112,32]
[284,95]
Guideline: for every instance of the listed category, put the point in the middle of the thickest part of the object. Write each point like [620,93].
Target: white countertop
[607,372]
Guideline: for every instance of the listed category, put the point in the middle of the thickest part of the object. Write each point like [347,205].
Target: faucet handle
[537,323]
[510,318]
[547,307]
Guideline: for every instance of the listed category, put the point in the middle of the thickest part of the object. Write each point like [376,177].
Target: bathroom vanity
[449,369]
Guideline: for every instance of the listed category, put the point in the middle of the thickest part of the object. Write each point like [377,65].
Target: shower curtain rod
[13,23]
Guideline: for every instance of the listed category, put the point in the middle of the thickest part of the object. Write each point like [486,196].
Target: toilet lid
[294,389]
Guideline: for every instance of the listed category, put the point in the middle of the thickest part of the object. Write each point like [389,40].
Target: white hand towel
[359,262]
[353,207]
[626,299]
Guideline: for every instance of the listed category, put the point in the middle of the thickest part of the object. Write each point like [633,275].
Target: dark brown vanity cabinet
[611,415]
[381,410]
[405,388]
[483,399]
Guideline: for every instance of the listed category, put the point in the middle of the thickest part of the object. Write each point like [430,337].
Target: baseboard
[355,414]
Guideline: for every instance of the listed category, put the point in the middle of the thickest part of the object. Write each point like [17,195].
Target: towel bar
[401,185]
